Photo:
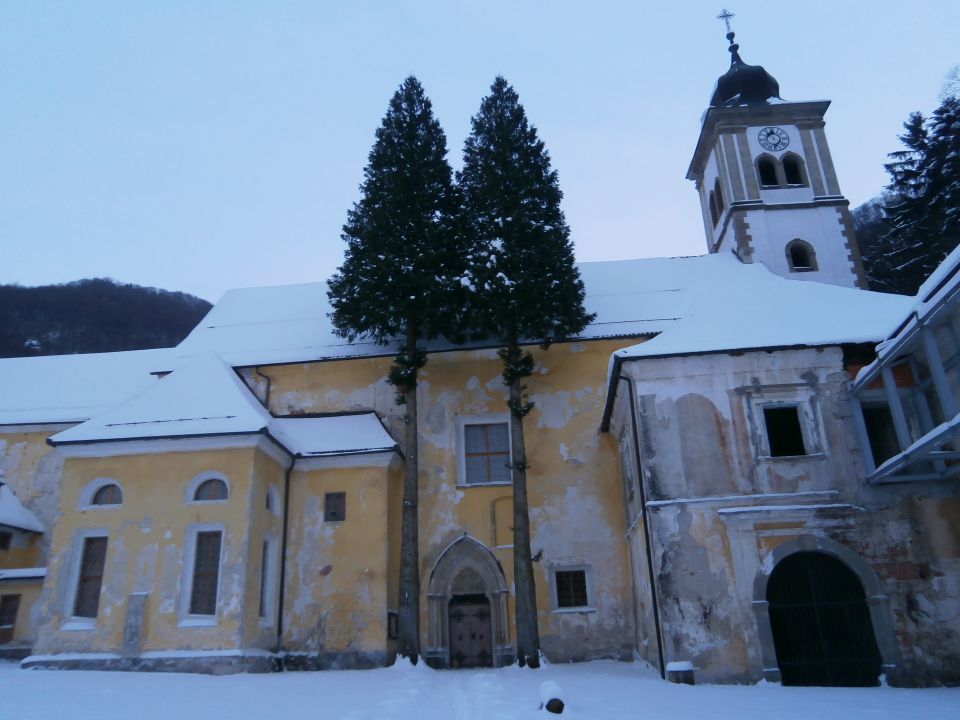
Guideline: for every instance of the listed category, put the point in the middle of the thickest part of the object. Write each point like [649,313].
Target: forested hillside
[98,315]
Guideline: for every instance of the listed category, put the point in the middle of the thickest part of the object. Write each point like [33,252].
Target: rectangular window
[264,560]
[784,434]
[5,538]
[92,564]
[571,588]
[881,433]
[9,604]
[206,573]
[486,453]
[392,620]
[335,507]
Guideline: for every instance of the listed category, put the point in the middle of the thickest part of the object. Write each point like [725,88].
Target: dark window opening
[784,433]
[571,588]
[721,205]
[92,564]
[793,170]
[335,507]
[9,604]
[714,215]
[881,433]
[264,559]
[392,625]
[800,258]
[206,573]
[487,453]
[108,495]
[767,170]
[212,489]
[5,538]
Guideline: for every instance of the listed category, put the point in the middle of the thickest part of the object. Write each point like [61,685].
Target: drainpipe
[266,399]
[283,551]
[646,525]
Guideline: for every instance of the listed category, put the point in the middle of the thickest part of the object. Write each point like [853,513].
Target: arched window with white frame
[100,493]
[208,487]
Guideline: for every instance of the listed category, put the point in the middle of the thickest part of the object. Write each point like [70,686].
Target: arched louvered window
[793,171]
[767,171]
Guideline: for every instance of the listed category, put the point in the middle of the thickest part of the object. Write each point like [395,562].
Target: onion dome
[743,84]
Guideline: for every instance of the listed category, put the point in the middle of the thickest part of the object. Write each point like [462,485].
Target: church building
[747,461]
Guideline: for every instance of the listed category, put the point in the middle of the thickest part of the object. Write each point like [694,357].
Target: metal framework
[918,371]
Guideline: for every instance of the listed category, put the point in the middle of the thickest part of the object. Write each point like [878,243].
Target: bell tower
[768,189]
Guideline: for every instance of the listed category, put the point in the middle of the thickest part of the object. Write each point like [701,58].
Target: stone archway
[468,580]
[877,601]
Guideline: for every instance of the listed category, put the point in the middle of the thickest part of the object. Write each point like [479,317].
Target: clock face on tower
[773,138]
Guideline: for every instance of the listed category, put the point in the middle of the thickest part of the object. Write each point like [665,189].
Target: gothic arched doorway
[821,625]
[467,611]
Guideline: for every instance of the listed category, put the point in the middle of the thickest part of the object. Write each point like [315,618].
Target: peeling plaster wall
[32,470]
[145,551]
[337,583]
[575,490]
[722,511]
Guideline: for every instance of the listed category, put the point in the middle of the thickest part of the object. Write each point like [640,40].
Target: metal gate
[821,623]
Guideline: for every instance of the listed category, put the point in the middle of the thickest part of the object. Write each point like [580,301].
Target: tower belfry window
[801,257]
[767,170]
[793,170]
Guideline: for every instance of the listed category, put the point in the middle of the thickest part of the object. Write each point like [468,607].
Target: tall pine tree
[399,282]
[525,287]
[923,220]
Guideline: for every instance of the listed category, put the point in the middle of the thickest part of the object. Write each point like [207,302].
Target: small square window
[784,434]
[5,538]
[335,507]
[571,588]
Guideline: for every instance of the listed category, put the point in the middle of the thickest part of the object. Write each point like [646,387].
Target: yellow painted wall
[145,551]
[574,480]
[29,592]
[337,572]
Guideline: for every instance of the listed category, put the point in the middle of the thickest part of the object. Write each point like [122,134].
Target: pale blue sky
[199,146]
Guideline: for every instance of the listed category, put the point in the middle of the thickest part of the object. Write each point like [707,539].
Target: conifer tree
[923,220]
[524,287]
[399,282]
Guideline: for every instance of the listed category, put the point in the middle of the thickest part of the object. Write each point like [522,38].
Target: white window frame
[85,500]
[271,581]
[809,414]
[186,581]
[71,621]
[201,478]
[587,569]
[480,419]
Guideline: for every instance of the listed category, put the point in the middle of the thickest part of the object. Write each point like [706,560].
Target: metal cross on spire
[726,16]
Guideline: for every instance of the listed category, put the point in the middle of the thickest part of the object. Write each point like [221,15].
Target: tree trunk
[408,620]
[528,632]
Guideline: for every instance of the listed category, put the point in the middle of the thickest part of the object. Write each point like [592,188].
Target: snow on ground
[599,690]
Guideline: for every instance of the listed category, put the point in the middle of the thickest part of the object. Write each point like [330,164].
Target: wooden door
[470,632]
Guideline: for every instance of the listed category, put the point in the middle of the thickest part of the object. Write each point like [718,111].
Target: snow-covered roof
[205,397]
[290,323]
[332,435]
[72,388]
[14,514]
[23,573]
[721,304]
